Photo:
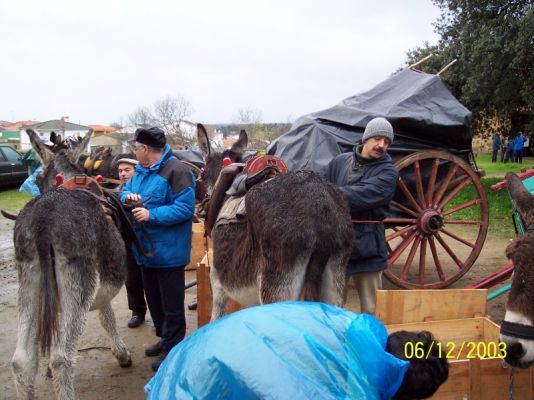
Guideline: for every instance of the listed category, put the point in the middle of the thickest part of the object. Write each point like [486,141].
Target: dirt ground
[97,374]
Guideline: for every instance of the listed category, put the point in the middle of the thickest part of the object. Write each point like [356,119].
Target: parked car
[12,171]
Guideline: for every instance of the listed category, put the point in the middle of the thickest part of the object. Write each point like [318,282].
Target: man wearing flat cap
[164,190]
[368,179]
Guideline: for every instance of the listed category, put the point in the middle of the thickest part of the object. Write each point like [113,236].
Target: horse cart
[438,219]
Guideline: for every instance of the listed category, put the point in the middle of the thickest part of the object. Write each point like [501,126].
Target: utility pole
[62,125]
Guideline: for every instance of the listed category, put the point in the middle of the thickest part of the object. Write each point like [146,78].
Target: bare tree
[142,117]
[169,112]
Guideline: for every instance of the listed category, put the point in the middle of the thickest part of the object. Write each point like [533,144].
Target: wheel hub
[430,221]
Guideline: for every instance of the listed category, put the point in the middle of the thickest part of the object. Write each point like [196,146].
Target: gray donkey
[70,259]
[293,244]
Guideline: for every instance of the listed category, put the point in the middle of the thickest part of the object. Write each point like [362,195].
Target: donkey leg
[219,296]
[118,348]
[333,281]
[283,281]
[76,299]
[25,360]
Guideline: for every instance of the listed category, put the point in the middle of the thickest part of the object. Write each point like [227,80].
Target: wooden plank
[204,293]
[198,245]
[405,306]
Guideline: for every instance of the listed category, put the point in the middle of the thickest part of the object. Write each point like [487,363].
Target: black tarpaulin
[424,114]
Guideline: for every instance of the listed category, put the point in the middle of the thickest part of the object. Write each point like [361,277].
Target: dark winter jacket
[369,186]
[168,191]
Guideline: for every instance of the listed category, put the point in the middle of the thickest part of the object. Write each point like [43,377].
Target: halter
[518,331]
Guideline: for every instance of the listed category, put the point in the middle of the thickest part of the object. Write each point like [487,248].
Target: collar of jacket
[167,153]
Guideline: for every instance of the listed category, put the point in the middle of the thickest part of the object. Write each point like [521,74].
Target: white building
[64,128]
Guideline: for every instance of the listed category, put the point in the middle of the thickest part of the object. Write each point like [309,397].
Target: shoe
[135,321]
[157,363]
[154,350]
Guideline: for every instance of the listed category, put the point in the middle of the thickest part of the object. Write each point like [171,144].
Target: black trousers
[165,295]
[134,287]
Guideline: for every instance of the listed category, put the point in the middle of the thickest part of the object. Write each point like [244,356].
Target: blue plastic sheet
[29,186]
[291,350]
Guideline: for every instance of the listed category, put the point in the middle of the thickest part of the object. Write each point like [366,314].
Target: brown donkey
[70,259]
[517,329]
[294,242]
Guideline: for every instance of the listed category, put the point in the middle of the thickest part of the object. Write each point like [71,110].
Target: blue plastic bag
[291,350]
[29,186]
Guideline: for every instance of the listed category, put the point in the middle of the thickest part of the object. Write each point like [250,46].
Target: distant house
[106,136]
[65,128]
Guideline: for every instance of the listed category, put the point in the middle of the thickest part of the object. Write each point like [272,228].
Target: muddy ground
[98,376]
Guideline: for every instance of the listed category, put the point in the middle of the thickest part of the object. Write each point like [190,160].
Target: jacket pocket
[367,242]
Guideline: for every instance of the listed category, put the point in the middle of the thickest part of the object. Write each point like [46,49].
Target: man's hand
[141,214]
[133,198]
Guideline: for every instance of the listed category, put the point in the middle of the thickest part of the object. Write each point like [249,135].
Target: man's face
[125,172]
[375,147]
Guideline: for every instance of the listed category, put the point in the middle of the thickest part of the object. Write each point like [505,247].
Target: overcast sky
[97,61]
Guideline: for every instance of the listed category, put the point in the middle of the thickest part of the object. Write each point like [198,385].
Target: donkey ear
[203,141]
[42,151]
[523,199]
[76,152]
[241,144]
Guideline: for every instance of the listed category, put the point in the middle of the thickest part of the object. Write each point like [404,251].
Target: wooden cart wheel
[444,221]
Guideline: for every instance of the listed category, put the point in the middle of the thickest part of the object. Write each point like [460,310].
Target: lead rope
[511,387]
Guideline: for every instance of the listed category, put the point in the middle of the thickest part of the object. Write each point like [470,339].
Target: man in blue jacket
[164,189]
[368,180]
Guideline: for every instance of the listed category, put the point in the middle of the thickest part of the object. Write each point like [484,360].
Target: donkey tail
[314,273]
[47,324]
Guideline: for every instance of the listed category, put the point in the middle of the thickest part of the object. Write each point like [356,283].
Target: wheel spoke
[402,208]
[453,192]
[458,238]
[419,184]
[408,195]
[400,221]
[400,232]
[409,260]
[439,269]
[445,184]
[422,261]
[462,206]
[395,254]
[449,251]
[463,222]
[432,181]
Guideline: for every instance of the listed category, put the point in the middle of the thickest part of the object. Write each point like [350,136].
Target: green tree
[493,41]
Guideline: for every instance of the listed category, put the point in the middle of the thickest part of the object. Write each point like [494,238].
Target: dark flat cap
[153,137]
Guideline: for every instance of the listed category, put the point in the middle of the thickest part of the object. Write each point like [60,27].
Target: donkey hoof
[126,363]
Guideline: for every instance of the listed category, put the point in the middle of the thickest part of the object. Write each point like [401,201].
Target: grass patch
[12,200]
[493,169]
[500,208]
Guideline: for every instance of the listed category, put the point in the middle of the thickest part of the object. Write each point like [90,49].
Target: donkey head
[517,329]
[60,159]
[214,161]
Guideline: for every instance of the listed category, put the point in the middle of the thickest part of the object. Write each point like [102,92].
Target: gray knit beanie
[378,127]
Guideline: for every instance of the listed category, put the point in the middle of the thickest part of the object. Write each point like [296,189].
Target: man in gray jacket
[368,180]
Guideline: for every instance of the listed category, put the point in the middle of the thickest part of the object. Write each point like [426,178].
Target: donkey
[70,259]
[517,329]
[294,243]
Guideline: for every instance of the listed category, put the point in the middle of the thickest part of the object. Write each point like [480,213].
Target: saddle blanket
[233,211]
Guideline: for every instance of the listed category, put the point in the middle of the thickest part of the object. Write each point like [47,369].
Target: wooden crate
[469,378]
[204,295]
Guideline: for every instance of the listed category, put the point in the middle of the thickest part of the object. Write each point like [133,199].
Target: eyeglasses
[136,147]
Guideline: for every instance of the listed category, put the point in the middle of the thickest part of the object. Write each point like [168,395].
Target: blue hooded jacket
[168,191]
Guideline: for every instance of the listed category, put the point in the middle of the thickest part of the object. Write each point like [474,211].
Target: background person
[518,148]
[368,180]
[496,145]
[164,188]
[134,279]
